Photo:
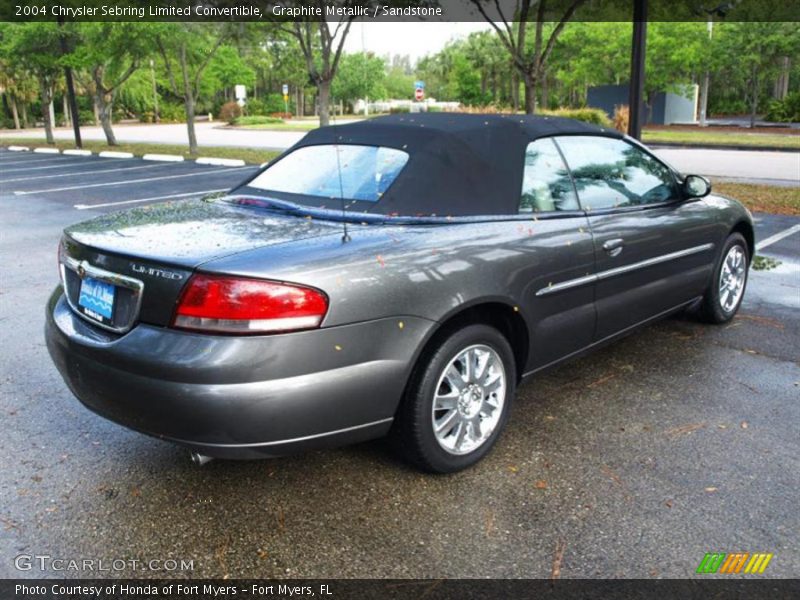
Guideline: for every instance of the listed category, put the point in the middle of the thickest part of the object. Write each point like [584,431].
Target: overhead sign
[419,94]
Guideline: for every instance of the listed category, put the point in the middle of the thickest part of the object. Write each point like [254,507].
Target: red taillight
[241,305]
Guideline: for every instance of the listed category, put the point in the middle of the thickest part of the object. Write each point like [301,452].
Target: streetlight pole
[636,91]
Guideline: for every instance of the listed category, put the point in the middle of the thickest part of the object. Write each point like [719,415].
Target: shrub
[86,117]
[594,116]
[485,109]
[786,110]
[166,114]
[397,110]
[230,112]
[622,117]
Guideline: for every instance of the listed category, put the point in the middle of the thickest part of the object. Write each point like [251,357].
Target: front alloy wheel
[726,290]
[469,400]
[457,400]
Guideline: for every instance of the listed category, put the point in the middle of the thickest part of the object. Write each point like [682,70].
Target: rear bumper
[239,397]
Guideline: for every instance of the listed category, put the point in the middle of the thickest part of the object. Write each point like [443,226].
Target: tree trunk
[189,104]
[14,112]
[104,103]
[96,111]
[754,98]
[545,93]
[47,99]
[514,91]
[324,96]
[301,107]
[24,115]
[65,109]
[530,93]
[704,99]
[781,88]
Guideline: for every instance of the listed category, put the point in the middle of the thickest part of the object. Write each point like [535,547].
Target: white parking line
[35,159]
[37,177]
[126,181]
[60,165]
[777,237]
[198,194]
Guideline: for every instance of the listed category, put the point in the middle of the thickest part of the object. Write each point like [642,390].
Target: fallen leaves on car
[540,484]
[668,503]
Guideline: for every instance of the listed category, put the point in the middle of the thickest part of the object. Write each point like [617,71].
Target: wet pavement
[632,462]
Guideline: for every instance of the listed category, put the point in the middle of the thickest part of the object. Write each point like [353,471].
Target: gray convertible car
[400,276]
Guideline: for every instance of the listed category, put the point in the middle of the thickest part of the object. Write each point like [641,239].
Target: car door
[652,247]
[560,248]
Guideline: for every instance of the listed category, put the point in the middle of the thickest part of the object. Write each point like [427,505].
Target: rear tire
[457,401]
[726,290]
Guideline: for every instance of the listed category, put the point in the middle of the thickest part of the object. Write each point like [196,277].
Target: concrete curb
[47,150]
[164,157]
[221,162]
[720,147]
[111,154]
[19,149]
[77,152]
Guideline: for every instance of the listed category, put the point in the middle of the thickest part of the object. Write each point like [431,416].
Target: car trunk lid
[148,254]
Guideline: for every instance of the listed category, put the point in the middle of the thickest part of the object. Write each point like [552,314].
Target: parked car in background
[400,276]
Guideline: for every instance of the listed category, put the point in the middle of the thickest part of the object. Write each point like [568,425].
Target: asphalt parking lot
[633,462]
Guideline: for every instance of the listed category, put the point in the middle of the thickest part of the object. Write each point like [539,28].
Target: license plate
[97,299]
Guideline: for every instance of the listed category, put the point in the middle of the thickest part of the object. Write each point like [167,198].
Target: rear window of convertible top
[346,171]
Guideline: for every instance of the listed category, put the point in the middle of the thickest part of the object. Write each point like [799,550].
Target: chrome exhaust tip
[201,459]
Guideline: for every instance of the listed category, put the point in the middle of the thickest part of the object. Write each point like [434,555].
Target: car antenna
[345,235]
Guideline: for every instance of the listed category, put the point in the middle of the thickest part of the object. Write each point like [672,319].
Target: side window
[546,185]
[611,173]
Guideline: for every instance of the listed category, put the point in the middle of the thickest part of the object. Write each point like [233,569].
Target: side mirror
[696,186]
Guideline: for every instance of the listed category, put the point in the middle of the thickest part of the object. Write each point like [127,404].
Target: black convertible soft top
[459,164]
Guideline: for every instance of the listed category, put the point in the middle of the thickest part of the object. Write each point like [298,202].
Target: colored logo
[740,562]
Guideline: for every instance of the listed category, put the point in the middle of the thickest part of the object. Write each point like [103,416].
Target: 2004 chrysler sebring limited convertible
[395,276]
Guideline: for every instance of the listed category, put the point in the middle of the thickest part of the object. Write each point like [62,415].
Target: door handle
[614,247]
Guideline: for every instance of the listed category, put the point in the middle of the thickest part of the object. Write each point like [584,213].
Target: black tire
[413,434]
[711,309]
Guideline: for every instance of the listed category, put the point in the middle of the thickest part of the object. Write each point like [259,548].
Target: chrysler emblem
[81,271]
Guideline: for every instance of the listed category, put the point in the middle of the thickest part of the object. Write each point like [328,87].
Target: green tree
[322,49]
[19,87]
[529,56]
[33,46]
[360,76]
[105,55]
[186,50]
[228,69]
[750,56]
